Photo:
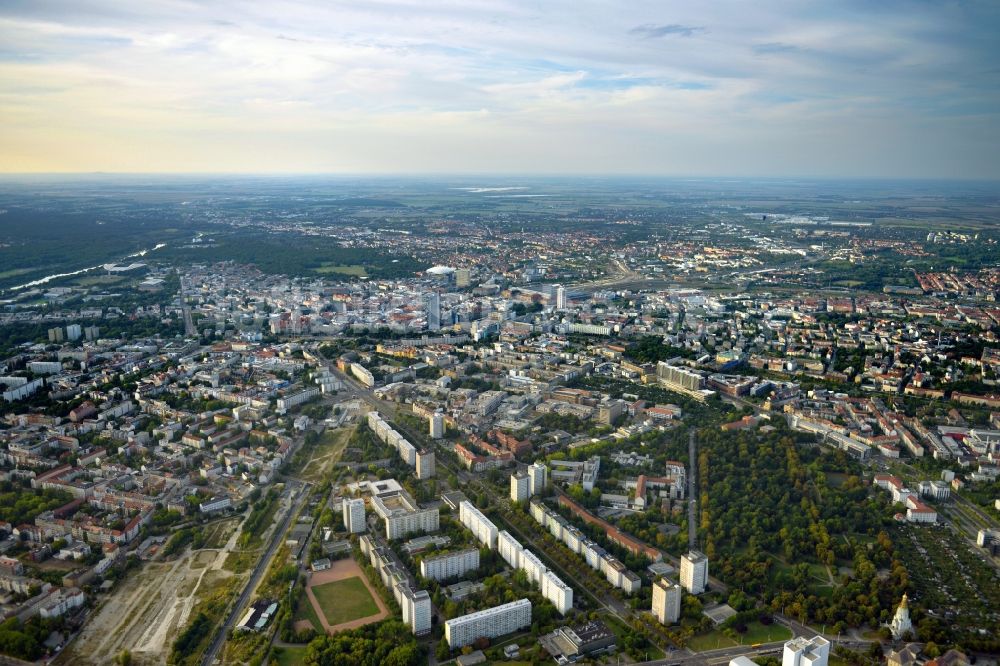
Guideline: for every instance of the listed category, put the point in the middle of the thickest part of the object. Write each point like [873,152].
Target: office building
[436,425]
[520,487]
[450,565]
[354,515]
[560,297]
[463,277]
[538,474]
[694,572]
[480,526]
[666,601]
[804,651]
[434,311]
[489,623]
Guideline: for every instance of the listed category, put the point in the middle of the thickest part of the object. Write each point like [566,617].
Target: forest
[783,521]
[388,643]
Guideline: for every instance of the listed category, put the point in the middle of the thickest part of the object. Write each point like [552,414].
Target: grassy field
[760,633]
[713,640]
[345,600]
[288,656]
[353,270]
[305,611]
[95,280]
[14,272]
[756,633]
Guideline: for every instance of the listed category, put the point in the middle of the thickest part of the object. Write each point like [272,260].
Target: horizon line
[488,174]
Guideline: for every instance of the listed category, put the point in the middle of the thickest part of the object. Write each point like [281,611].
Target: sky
[845,89]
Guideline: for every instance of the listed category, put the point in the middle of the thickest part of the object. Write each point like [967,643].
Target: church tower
[901,621]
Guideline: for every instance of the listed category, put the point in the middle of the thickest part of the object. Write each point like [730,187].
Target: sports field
[344,600]
[341,598]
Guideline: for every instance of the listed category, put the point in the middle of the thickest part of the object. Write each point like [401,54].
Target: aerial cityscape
[493,333]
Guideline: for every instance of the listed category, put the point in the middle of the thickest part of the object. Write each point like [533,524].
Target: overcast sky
[879,88]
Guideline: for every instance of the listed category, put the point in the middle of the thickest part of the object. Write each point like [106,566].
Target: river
[55,276]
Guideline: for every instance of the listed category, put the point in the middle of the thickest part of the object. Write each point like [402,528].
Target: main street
[299,493]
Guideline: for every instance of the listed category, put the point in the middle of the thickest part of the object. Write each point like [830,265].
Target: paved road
[189,329]
[722,656]
[262,564]
[693,491]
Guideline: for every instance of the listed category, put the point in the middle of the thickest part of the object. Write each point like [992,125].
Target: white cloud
[722,87]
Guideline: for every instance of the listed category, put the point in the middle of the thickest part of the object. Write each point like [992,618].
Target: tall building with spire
[901,624]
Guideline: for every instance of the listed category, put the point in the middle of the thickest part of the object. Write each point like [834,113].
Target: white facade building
[481,526]
[426,464]
[510,549]
[436,425]
[61,601]
[558,592]
[520,487]
[450,565]
[354,515]
[402,514]
[694,572]
[538,475]
[416,608]
[666,601]
[489,623]
[804,651]
[533,566]
[901,623]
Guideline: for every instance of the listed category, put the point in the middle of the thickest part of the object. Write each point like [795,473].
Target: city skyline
[894,90]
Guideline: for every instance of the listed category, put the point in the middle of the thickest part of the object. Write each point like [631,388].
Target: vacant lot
[146,612]
[320,458]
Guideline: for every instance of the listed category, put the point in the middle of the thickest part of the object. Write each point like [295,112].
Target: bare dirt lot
[150,608]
